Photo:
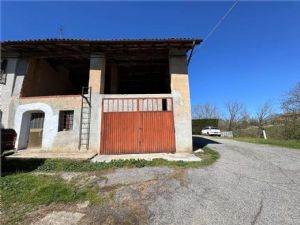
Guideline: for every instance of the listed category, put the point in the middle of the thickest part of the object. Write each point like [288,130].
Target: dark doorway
[36,130]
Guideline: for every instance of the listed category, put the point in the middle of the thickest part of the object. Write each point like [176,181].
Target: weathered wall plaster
[68,140]
[97,73]
[181,99]
[6,91]
[54,140]
[22,124]
[95,126]
[21,70]
[97,83]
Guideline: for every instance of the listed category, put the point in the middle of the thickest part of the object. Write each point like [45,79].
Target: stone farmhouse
[102,96]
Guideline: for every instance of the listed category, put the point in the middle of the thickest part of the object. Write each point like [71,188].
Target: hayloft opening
[137,77]
[55,76]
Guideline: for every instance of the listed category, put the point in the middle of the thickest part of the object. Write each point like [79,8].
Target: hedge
[199,124]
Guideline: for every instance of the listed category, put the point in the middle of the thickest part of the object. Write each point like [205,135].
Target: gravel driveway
[249,184]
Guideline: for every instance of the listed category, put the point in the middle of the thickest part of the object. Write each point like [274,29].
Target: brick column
[181,97]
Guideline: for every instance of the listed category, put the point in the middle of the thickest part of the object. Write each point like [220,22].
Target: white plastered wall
[6,91]
[22,118]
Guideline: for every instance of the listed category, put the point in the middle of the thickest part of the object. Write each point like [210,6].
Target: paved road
[250,184]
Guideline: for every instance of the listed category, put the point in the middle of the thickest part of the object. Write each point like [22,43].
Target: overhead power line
[221,20]
[215,27]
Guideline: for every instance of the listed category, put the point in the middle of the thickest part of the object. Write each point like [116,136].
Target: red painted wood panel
[142,130]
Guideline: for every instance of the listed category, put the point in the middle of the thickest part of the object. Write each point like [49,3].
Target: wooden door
[36,130]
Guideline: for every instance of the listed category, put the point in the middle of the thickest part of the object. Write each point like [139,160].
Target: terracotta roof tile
[197,40]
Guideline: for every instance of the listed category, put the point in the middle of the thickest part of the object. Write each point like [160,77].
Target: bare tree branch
[205,111]
[291,102]
[235,110]
[264,112]
[291,106]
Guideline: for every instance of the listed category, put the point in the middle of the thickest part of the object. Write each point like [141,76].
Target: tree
[205,111]
[291,101]
[264,113]
[244,120]
[291,107]
[235,110]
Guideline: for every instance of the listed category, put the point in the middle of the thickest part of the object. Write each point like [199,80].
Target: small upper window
[65,120]
[3,71]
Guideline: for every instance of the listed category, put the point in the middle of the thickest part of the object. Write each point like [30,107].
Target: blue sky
[252,57]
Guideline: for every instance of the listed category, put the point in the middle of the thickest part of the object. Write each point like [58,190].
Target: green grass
[282,143]
[62,165]
[21,193]
[208,156]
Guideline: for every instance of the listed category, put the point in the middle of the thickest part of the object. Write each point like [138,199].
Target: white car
[211,131]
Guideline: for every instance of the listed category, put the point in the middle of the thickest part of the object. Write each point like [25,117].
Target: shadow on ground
[10,166]
[200,142]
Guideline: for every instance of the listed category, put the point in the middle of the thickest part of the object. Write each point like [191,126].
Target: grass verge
[282,143]
[22,193]
[208,156]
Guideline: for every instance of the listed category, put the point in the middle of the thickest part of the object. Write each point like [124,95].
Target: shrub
[199,124]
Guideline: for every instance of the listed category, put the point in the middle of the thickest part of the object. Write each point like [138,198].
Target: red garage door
[139,125]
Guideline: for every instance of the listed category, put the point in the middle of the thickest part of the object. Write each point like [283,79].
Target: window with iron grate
[66,120]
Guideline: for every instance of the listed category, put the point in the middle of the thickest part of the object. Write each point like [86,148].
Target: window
[3,71]
[65,120]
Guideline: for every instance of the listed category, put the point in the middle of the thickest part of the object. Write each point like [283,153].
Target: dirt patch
[38,216]
[127,194]
[83,205]
[60,218]
[69,176]
[179,175]
[123,214]
[129,205]
[112,188]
